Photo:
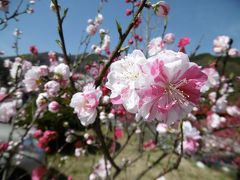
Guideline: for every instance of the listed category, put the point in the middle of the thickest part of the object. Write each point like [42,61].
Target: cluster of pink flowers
[44,138]
[93,25]
[105,43]
[165,86]
[7,111]
[101,170]
[222,46]
[191,138]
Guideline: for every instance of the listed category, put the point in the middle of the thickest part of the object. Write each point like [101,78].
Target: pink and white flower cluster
[213,79]
[85,104]
[101,170]
[191,138]
[7,111]
[221,44]
[165,86]
[93,25]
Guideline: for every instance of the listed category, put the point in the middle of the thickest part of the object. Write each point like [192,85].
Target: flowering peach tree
[102,98]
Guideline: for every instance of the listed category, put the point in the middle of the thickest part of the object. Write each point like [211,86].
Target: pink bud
[162,8]
[128,12]
[130,41]
[33,50]
[53,107]
[38,133]
[183,42]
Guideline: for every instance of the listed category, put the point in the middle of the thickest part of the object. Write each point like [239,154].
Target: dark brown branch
[104,148]
[151,166]
[178,161]
[116,52]
[126,143]
[60,32]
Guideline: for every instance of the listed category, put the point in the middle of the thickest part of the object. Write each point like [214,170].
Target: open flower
[52,88]
[7,111]
[63,71]
[85,104]
[122,80]
[169,38]
[213,79]
[32,79]
[221,44]
[171,87]
[190,139]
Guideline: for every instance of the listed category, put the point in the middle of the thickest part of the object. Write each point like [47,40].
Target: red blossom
[118,133]
[33,50]
[150,144]
[183,42]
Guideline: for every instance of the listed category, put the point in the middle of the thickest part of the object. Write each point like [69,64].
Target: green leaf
[59,43]
[119,28]
[64,13]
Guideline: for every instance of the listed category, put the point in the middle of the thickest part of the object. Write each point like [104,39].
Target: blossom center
[175,93]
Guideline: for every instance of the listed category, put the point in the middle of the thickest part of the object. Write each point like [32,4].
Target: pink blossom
[85,104]
[7,111]
[38,173]
[62,70]
[7,63]
[161,8]
[33,50]
[41,101]
[4,4]
[52,88]
[190,146]
[91,29]
[118,133]
[169,38]
[2,96]
[106,43]
[162,128]
[128,12]
[32,79]
[233,111]
[191,138]
[52,56]
[221,44]
[213,79]
[101,170]
[3,147]
[99,19]
[150,144]
[214,120]
[233,52]
[122,80]
[53,107]
[38,133]
[183,42]
[171,87]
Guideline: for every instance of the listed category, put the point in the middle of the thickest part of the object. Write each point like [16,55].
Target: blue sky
[193,18]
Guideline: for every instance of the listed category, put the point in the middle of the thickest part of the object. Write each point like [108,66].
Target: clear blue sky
[192,18]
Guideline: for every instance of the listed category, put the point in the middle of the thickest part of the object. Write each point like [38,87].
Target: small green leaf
[119,28]
[65,13]
[59,43]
